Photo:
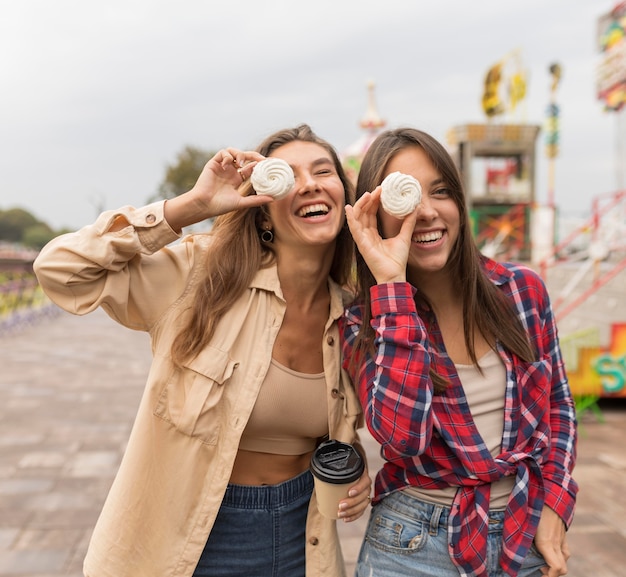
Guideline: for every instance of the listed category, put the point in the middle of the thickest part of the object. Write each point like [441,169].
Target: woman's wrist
[390,279]
[183,210]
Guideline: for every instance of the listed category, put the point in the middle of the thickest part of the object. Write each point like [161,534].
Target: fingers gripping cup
[335,467]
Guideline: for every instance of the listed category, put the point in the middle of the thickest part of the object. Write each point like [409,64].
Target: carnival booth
[497,163]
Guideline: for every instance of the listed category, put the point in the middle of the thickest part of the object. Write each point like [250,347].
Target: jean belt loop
[434,519]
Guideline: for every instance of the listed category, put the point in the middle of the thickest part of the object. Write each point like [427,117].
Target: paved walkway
[69,389]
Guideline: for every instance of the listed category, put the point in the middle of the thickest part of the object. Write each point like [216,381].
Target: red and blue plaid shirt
[431,441]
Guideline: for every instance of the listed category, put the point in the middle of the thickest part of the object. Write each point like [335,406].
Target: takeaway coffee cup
[335,467]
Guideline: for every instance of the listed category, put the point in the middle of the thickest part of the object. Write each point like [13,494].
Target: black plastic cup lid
[337,462]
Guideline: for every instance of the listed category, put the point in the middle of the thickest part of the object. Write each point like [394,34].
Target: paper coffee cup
[335,467]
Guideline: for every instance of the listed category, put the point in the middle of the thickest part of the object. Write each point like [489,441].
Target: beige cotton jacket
[171,481]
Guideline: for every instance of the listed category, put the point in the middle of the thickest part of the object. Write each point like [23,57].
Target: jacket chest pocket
[191,399]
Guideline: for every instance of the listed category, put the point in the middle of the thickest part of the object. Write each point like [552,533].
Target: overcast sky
[98,97]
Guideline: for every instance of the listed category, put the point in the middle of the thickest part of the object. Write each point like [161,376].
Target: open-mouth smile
[312,210]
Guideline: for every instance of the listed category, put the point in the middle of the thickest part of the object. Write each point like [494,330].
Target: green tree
[182,174]
[37,235]
[13,223]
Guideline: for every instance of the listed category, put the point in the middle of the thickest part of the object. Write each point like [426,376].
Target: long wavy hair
[485,307]
[237,253]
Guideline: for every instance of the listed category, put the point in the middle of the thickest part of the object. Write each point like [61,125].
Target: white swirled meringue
[400,195]
[272,176]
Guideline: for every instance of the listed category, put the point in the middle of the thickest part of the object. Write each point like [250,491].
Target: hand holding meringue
[400,195]
[272,176]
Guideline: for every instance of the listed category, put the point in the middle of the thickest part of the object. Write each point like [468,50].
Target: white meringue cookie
[272,176]
[400,195]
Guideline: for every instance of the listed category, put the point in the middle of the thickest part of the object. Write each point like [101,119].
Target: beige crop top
[485,395]
[290,414]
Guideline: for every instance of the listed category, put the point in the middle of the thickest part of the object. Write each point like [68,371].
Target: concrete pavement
[69,390]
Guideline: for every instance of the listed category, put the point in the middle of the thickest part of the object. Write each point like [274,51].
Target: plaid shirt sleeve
[560,488]
[394,386]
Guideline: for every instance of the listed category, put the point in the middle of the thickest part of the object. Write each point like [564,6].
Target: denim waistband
[436,515]
[268,496]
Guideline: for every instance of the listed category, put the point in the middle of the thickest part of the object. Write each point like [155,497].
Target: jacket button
[330,340]
[314,541]
[334,393]
[150,218]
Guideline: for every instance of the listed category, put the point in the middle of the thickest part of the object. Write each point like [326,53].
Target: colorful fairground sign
[611,71]
[600,371]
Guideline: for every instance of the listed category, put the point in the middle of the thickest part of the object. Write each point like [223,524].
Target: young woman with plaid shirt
[462,382]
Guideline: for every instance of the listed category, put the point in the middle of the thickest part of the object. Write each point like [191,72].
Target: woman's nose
[426,209]
[306,182]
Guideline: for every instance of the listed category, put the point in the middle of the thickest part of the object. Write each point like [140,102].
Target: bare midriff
[254,468]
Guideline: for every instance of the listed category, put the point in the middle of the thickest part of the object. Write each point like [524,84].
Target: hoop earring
[267,236]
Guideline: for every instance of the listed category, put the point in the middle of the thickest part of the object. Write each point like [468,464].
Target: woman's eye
[441,192]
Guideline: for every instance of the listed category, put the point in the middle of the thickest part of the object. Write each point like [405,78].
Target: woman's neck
[304,278]
[437,287]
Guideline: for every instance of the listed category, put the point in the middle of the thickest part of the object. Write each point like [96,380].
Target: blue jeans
[259,531]
[407,536]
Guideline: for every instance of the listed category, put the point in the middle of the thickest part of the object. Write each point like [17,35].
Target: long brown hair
[237,253]
[485,308]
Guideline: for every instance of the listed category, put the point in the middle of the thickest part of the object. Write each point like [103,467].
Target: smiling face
[438,222]
[312,214]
